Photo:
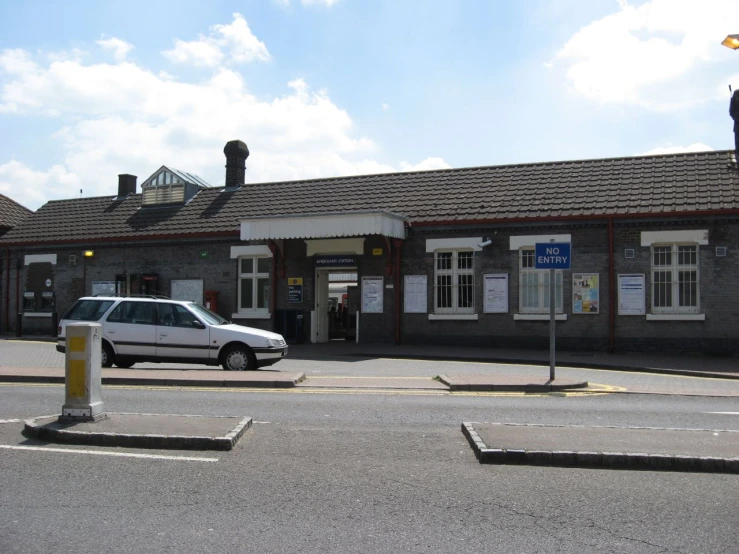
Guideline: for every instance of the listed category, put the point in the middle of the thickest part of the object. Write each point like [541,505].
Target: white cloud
[31,188]
[124,118]
[385,106]
[647,54]
[234,42]
[695,147]
[201,52]
[15,61]
[425,165]
[120,48]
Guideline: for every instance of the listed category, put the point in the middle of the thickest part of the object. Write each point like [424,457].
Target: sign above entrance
[335,261]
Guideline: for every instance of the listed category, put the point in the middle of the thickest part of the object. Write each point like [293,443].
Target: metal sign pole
[552,320]
[552,256]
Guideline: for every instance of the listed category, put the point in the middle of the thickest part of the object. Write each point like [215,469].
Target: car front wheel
[239,358]
[106,358]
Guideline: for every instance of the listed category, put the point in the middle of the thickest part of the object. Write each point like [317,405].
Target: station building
[442,257]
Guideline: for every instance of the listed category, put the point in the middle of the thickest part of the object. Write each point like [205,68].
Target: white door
[178,336]
[320,312]
[131,327]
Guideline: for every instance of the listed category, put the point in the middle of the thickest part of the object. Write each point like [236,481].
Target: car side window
[141,313]
[88,310]
[166,315]
[174,315]
[183,317]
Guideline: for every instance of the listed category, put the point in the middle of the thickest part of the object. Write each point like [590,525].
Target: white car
[161,330]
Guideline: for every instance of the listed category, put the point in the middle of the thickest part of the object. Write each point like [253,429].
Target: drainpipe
[396,250]
[18,290]
[273,289]
[611,290]
[7,289]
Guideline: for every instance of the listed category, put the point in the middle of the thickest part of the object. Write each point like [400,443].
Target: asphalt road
[357,473]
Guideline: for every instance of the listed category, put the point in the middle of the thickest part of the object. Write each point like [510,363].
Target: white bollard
[83,401]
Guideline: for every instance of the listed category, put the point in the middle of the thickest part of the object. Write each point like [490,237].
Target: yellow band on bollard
[77,378]
[77,344]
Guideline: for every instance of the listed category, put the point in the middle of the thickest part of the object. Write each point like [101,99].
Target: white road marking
[724,413]
[10,420]
[107,453]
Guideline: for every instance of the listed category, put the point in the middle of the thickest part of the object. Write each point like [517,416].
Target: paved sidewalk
[714,451]
[689,365]
[671,364]
[362,368]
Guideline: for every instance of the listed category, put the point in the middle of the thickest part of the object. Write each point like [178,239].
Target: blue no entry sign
[552,255]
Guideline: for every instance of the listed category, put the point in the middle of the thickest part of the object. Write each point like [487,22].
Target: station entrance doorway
[334,314]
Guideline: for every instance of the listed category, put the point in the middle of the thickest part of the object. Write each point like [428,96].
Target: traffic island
[164,377]
[156,431]
[643,448]
[511,382]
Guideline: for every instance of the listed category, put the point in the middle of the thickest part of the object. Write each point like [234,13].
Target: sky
[323,88]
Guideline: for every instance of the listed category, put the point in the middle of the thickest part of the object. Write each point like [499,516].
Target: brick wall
[719,286]
[719,294]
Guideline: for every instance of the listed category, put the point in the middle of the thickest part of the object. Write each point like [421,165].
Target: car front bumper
[271,354]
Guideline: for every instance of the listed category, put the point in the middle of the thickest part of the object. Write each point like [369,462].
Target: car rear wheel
[239,358]
[106,358]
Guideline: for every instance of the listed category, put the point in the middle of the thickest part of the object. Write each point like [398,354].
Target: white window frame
[542,276]
[675,268]
[255,275]
[455,272]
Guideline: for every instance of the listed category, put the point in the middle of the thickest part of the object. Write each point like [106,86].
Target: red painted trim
[576,217]
[611,289]
[7,290]
[18,289]
[274,248]
[397,243]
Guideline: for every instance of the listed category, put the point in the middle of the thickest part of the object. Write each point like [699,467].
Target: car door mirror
[198,324]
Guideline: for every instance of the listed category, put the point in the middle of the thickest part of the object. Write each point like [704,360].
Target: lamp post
[731,41]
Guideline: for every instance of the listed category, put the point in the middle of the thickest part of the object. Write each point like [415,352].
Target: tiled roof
[11,213]
[704,181]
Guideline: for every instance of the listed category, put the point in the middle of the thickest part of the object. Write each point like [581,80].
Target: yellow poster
[585,293]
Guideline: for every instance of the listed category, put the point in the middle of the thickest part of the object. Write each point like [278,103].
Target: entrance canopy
[323,225]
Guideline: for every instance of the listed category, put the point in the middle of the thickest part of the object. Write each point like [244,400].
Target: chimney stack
[236,154]
[126,185]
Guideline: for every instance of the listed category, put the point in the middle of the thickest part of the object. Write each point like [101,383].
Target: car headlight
[274,342]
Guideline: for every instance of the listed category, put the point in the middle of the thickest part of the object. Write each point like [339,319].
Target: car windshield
[88,310]
[209,317]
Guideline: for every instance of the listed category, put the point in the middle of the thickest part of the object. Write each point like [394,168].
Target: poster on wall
[416,294]
[295,289]
[372,295]
[103,288]
[632,298]
[496,293]
[585,293]
[187,289]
